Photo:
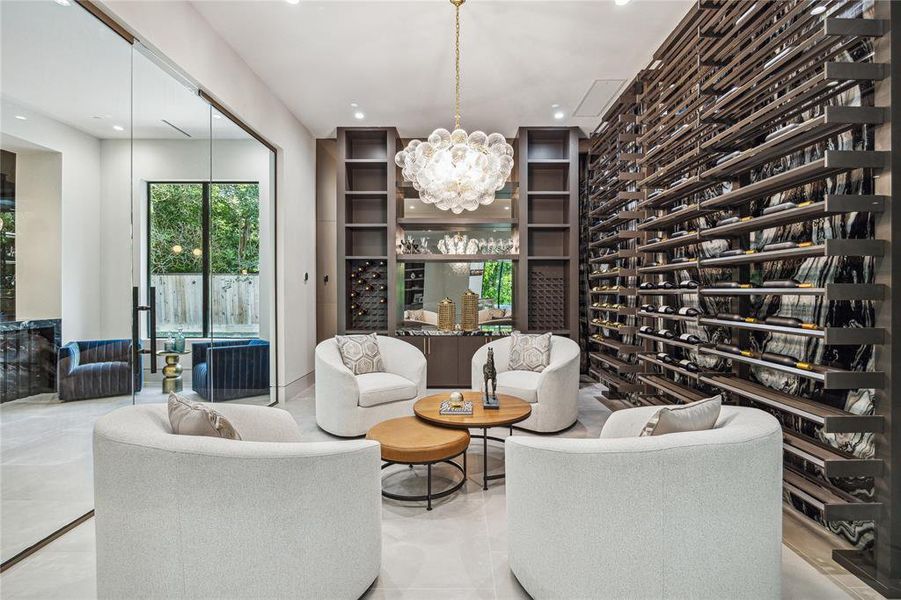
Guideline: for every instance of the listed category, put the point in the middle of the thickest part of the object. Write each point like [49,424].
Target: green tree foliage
[176,236]
[235,228]
[497,282]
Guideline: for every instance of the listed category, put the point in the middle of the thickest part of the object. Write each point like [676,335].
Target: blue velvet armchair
[96,369]
[229,369]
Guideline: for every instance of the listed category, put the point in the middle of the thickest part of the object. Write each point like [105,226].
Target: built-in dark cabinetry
[449,357]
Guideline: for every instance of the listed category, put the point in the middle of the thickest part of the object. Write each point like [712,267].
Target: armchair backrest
[96,351]
[562,350]
[199,349]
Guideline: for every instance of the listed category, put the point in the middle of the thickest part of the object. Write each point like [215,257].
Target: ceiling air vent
[598,97]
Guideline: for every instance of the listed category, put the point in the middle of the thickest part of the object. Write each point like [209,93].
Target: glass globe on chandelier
[457,171]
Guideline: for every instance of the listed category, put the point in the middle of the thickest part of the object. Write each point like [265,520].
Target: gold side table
[172,371]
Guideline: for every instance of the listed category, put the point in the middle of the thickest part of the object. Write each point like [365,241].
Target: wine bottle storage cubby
[756,149]
[367,294]
[547,295]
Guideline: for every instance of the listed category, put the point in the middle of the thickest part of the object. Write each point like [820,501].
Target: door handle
[136,310]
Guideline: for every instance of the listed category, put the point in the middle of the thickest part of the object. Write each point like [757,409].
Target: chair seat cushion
[382,388]
[522,384]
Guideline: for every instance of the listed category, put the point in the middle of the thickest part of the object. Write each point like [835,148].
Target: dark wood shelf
[833,336]
[457,223]
[667,317]
[832,419]
[621,366]
[688,239]
[668,341]
[834,504]
[669,367]
[830,377]
[668,268]
[834,162]
[682,393]
[833,292]
[618,345]
[471,258]
[831,461]
[692,211]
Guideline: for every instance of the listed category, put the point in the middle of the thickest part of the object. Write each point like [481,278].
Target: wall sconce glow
[621,2]
[118,128]
[818,10]
[177,249]
[196,252]
[359,115]
[22,117]
[559,115]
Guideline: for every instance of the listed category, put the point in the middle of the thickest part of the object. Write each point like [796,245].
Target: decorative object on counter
[469,311]
[447,312]
[455,399]
[456,171]
[169,344]
[489,372]
[179,345]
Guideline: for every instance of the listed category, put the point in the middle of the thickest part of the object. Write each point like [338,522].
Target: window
[204,257]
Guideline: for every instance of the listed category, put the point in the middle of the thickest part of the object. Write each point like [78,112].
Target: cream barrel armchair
[683,515]
[349,405]
[553,393]
[192,517]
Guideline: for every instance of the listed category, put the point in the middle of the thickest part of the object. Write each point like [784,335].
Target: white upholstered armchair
[683,515]
[190,517]
[348,405]
[553,393]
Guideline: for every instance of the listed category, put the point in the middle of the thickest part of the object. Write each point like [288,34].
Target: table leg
[484,458]
[429,493]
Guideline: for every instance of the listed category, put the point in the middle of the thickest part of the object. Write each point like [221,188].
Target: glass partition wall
[121,190]
[66,354]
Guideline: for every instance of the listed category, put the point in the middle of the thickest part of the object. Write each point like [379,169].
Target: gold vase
[447,313]
[469,313]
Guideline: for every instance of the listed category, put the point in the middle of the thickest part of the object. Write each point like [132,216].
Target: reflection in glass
[427,283]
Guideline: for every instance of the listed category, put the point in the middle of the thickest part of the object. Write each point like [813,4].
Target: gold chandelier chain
[457,65]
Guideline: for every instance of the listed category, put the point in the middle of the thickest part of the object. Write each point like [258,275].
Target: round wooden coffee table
[512,410]
[409,441]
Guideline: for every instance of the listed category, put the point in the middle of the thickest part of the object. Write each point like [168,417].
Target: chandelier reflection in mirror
[457,171]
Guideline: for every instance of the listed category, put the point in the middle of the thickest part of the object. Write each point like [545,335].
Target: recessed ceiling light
[818,10]
[293,1]
[217,116]
[559,115]
[506,208]
[412,206]
[359,115]
[555,106]
[63,2]
[354,105]
[118,128]
[621,2]
[22,117]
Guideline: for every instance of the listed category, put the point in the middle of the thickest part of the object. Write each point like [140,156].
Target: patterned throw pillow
[529,351]
[194,418]
[696,416]
[360,353]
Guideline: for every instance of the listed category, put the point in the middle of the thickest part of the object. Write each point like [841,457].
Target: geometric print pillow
[529,351]
[360,353]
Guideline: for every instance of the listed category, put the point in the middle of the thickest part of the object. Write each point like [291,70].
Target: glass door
[241,265]
[172,198]
[66,274]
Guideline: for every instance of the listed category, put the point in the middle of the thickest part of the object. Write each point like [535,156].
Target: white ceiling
[61,62]
[395,58]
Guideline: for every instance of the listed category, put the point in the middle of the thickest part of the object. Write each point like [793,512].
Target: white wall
[80,233]
[179,33]
[38,252]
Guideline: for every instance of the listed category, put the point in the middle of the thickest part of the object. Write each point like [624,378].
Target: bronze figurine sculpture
[490,373]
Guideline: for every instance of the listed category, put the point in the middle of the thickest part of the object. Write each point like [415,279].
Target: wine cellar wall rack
[738,222]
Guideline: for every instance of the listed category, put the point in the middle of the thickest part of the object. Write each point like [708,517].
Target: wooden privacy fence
[234,302]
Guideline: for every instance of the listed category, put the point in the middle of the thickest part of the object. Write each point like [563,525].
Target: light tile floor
[46,465]
[466,530]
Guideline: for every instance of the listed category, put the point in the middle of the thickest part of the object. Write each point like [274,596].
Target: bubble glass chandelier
[457,171]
